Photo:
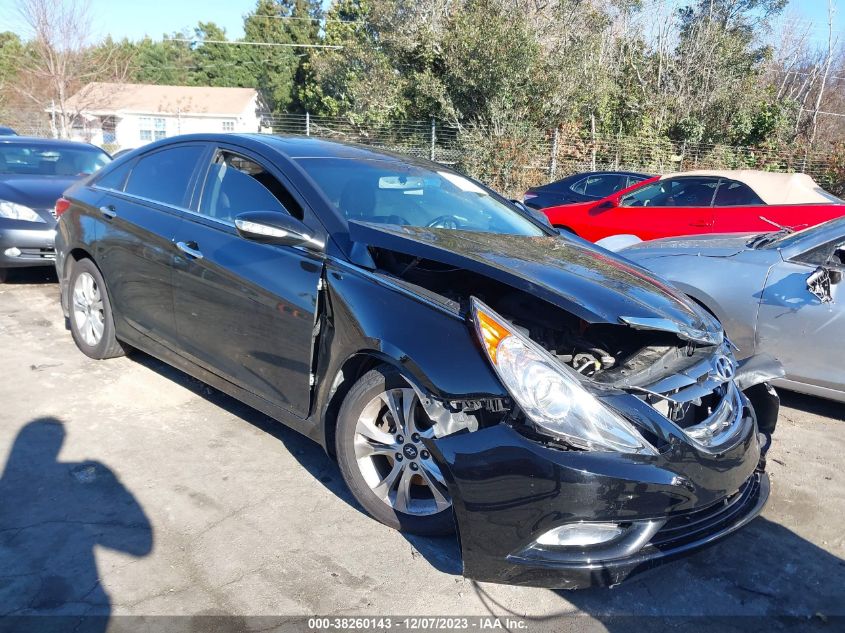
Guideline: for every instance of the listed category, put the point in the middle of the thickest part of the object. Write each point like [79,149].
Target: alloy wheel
[392,457]
[88,312]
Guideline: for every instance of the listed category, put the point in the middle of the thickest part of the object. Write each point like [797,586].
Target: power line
[239,43]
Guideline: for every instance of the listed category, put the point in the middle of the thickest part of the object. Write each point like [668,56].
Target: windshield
[392,192]
[40,159]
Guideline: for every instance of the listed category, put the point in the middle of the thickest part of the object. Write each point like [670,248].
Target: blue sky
[134,19]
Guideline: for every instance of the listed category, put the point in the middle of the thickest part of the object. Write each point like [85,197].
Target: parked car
[583,187]
[7,131]
[702,202]
[779,293]
[33,174]
[576,418]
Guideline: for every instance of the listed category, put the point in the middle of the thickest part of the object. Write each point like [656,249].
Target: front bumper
[508,489]
[25,244]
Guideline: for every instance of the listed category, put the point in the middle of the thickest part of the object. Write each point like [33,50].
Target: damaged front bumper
[510,492]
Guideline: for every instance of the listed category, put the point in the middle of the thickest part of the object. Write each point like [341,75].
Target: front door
[245,310]
[800,329]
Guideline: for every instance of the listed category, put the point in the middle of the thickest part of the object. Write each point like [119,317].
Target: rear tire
[91,316]
[383,459]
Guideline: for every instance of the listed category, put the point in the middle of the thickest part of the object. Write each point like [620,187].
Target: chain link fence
[511,157]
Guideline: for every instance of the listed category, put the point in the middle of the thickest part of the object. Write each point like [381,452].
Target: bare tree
[60,58]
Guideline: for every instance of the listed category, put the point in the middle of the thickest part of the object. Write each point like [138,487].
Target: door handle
[108,212]
[190,249]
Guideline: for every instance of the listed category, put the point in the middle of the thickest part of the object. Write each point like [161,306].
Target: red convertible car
[701,202]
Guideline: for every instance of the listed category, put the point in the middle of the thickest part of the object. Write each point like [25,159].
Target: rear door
[141,212]
[664,208]
[244,310]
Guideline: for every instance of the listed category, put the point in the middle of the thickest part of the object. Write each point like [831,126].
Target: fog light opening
[12,252]
[582,534]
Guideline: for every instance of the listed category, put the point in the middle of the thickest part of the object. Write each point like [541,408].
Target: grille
[696,525]
[707,407]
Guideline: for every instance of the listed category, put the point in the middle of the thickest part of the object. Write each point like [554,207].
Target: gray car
[33,174]
[779,293]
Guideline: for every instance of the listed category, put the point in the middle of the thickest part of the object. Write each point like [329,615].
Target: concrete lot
[130,488]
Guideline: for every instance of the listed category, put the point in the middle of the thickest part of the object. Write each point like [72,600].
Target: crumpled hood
[587,281]
[711,245]
[36,192]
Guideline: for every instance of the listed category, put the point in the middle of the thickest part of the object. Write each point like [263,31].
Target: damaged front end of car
[610,428]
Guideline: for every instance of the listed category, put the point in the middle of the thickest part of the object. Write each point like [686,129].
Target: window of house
[152,128]
[236,184]
[228,126]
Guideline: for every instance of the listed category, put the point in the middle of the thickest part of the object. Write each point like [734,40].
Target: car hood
[585,280]
[36,192]
[711,245]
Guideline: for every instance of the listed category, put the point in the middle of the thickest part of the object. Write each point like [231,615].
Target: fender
[360,320]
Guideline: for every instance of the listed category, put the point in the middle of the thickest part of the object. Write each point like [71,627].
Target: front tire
[383,459]
[91,317]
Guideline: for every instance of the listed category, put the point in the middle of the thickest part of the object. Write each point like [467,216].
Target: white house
[130,115]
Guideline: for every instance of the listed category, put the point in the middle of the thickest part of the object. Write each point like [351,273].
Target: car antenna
[780,226]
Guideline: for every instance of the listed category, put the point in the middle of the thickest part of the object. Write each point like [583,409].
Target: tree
[222,65]
[282,24]
[57,58]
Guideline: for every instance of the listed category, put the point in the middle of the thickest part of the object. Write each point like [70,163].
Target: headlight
[15,211]
[549,393]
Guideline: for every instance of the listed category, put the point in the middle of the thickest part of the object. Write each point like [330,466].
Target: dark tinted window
[599,186]
[164,176]
[633,180]
[236,184]
[680,192]
[116,178]
[733,194]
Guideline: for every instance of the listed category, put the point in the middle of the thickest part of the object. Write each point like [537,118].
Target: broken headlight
[549,393]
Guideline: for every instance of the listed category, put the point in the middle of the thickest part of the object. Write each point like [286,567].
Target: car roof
[771,187]
[52,142]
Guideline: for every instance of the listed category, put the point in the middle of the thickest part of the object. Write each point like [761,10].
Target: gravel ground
[129,488]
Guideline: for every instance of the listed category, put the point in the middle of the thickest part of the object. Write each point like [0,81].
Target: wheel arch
[349,372]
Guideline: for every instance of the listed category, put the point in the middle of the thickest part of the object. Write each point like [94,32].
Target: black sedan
[583,187]
[574,418]
[33,174]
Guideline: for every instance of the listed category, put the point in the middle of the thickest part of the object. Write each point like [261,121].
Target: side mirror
[272,227]
[604,205]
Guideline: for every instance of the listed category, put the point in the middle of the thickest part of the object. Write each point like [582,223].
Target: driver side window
[680,192]
[236,184]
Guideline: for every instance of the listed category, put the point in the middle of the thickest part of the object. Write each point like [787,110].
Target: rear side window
[733,194]
[116,178]
[164,176]
[236,184]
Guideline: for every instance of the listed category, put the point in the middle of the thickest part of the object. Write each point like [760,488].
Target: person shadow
[52,515]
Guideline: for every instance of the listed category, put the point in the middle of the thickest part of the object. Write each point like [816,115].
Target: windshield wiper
[767,238]
[775,224]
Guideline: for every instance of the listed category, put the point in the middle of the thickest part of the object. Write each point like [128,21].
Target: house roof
[116,98]
[772,187]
